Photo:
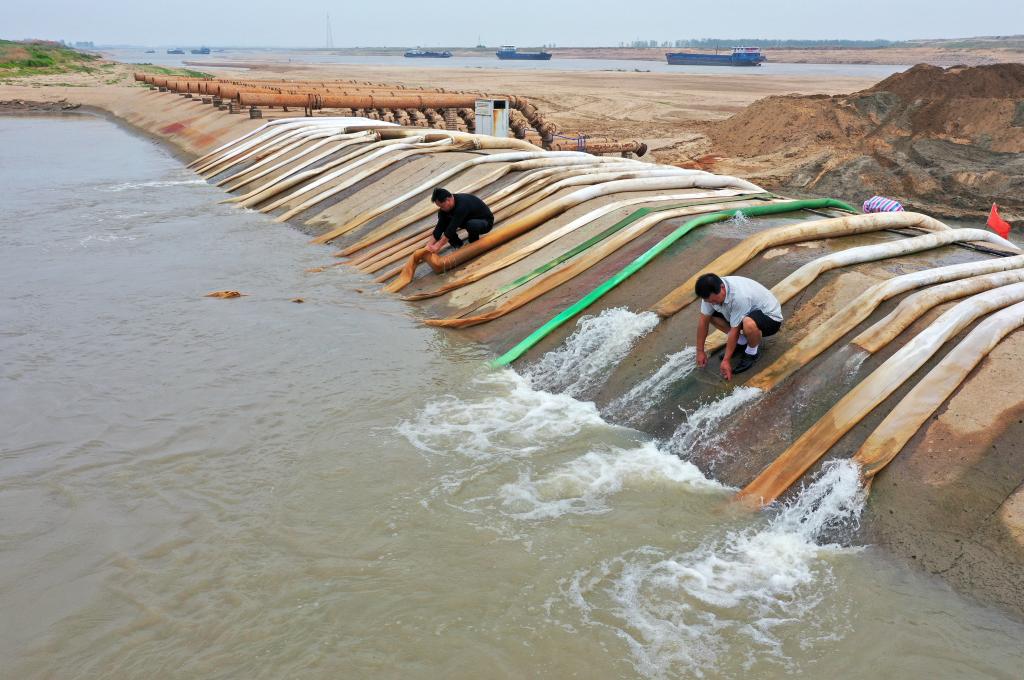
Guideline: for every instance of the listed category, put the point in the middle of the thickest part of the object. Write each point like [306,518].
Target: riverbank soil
[943,141]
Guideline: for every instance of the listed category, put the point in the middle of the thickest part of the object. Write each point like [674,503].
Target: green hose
[637,264]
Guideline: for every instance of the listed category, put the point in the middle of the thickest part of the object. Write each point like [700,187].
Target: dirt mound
[931,82]
[946,140]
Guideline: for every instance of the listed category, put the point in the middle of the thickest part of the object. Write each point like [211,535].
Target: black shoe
[746,362]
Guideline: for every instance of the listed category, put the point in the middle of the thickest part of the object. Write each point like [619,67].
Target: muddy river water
[255,488]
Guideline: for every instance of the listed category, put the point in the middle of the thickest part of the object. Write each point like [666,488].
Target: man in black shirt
[458,211]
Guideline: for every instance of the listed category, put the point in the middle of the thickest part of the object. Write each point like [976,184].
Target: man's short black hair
[439,195]
[707,285]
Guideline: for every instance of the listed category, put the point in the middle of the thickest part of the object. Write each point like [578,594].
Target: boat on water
[200,50]
[510,52]
[740,56]
[150,51]
[176,50]
[427,54]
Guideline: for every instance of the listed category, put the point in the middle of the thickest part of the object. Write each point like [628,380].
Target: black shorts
[767,325]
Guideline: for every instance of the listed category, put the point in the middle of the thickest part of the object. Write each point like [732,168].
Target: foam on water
[584,485]
[588,356]
[127,186]
[507,417]
[635,403]
[746,594]
[705,425]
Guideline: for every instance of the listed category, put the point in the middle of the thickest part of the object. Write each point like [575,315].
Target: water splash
[634,404]
[588,356]
[745,595]
[510,418]
[584,485]
[704,426]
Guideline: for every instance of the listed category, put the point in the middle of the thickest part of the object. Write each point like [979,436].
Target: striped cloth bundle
[877,204]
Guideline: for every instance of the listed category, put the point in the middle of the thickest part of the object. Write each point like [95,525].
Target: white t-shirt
[742,296]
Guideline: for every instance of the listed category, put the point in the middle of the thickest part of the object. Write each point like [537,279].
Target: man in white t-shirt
[741,308]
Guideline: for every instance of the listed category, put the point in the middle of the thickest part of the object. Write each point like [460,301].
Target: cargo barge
[510,52]
[741,56]
[427,54]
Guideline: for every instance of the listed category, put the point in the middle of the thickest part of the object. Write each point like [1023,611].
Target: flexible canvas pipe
[284,150]
[531,184]
[596,176]
[308,154]
[522,224]
[825,334]
[556,277]
[259,147]
[280,185]
[354,159]
[238,149]
[298,174]
[384,134]
[368,215]
[931,392]
[417,213]
[735,257]
[483,271]
[805,275]
[242,139]
[914,306]
[869,393]
[393,158]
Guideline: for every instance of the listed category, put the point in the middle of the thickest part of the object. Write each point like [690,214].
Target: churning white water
[589,355]
[642,397]
[738,595]
[705,426]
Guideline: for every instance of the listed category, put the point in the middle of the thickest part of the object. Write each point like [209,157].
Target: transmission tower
[330,35]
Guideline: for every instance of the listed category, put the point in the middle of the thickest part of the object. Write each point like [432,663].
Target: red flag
[997,223]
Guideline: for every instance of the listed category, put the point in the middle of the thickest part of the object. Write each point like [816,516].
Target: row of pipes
[293,165]
[397,104]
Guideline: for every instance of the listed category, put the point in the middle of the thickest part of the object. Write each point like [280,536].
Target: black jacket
[467,207]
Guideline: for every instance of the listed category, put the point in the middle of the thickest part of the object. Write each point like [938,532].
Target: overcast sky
[301,23]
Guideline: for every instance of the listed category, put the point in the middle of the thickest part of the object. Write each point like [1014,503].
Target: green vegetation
[164,71]
[29,58]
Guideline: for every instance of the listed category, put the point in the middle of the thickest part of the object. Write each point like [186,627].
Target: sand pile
[944,140]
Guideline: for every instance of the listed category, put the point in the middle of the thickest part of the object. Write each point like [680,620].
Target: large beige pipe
[869,393]
[281,185]
[522,224]
[294,159]
[786,289]
[556,277]
[240,149]
[829,331]
[417,213]
[256,170]
[299,174]
[480,272]
[914,306]
[921,402]
[736,257]
[583,178]
[395,154]
[368,215]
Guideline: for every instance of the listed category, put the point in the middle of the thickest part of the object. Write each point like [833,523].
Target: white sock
[742,340]
[751,350]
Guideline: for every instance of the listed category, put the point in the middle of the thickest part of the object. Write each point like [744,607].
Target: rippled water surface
[255,488]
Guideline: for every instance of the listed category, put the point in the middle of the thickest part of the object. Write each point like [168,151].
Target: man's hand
[702,358]
[726,369]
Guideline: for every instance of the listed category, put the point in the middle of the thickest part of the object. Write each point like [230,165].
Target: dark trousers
[474,228]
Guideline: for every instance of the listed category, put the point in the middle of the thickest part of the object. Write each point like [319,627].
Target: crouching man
[455,212]
[743,309]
